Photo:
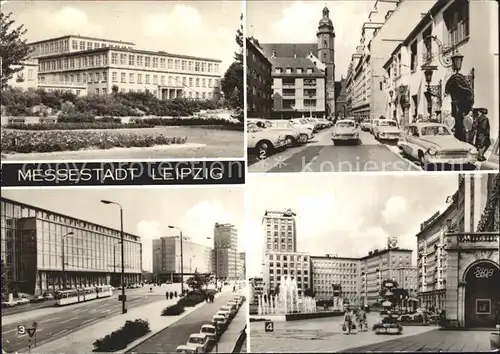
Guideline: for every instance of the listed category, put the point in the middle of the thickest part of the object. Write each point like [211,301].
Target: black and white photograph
[136,270]
[373,263]
[372,85]
[122,80]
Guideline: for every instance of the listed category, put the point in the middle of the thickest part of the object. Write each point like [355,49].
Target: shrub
[73,140]
[76,117]
[123,336]
[193,298]
[173,310]
[77,126]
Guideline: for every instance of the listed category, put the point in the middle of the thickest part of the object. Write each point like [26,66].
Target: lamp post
[63,256]
[432,90]
[182,255]
[122,297]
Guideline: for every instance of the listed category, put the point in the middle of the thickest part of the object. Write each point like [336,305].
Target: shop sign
[483,273]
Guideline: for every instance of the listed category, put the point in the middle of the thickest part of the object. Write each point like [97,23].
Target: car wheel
[290,141]
[264,149]
[425,166]
[303,138]
[335,142]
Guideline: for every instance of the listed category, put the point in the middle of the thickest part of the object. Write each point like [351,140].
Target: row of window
[62,46]
[271,221]
[298,258]
[291,70]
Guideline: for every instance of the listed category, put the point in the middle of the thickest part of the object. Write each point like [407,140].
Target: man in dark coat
[482,130]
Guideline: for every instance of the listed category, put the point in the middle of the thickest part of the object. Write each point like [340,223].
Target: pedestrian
[347,327]
[483,141]
[469,127]
[166,295]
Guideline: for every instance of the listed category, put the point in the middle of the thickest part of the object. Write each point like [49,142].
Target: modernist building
[281,265]
[242,265]
[328,271]
[259,81]
[256,287]
[304,74]
[380,265]
[446,65]
[468,264]
[280,230]
[167,258]
[103,65]
[43,251]
[407,278]
[226,255]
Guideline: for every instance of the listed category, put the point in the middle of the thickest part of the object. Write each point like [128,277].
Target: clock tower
[326,54]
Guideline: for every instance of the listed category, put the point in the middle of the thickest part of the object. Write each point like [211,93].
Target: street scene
[78,82]
[381,274]
[175,282]
[409,93]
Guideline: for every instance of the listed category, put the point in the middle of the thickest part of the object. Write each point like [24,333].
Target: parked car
[263,141]
[187,349]
[226,313]
[303,122]
[305,133]
[373,124]
[345,131]
[210,331]
[220,321]
[387,130]
[292,135]
[6,304]
[434,143]
[38,298]
[365,125]
[230,307]
[23,301]
[48,296]
[200,341]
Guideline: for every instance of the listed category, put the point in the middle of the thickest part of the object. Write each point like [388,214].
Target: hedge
[173,310]
[15,141]
[122,337]
[77,126]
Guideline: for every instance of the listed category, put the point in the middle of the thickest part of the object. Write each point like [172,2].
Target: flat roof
[384,251]
[81,37]
[3,199]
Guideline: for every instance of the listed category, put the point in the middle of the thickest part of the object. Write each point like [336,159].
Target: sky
[147,211]
[347,215]
[297,22]
[199,28]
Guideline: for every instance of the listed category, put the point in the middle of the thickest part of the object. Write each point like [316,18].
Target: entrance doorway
[481,295]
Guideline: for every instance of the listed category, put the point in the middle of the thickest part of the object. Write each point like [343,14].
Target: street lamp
[122,297]
[456,62]
[432,90]
[182,256]
[64,258]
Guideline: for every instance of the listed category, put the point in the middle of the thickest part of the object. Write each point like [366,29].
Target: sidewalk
[232,333]
[81,341]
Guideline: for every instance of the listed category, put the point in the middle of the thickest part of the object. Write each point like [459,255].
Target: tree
[198,281]
[13,49]
[114,89]
[232,85]
[238,56]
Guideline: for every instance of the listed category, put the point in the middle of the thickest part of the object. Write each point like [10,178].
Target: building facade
[328,271]
[43,251]
[470,266]
[341,99]
[27,77]
[242,265]
[281,265]
[380,265]
[226,255]
[280,230]
[167,258]
[451,26]
[259,81]
[104,65]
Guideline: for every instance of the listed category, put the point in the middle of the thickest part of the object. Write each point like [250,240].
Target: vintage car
[264,141]
[210,331]
[304,123]
[365,125]
[434,144]
[200,341]
[386,130]
[345,131]
[492,162]
[373,124]
[293,135]
[187,349]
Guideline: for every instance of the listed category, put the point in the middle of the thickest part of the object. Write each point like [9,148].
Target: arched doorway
[462,101]
[481,294]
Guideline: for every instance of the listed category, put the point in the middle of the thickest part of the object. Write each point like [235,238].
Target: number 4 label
[269,326]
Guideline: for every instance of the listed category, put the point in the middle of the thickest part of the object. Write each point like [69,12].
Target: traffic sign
[21,330]
[269,326]
[31,331]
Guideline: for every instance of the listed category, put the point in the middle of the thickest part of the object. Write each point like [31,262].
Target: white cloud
[69,20]
[363,241]
[182,18]
[395,210]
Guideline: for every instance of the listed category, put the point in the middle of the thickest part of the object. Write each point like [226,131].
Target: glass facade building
[43,250]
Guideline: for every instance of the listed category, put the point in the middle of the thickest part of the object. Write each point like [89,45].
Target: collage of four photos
[250,176]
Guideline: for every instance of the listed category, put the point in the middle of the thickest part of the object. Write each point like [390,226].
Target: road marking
[12,330]
[60,332]
[88,321]
[68,320]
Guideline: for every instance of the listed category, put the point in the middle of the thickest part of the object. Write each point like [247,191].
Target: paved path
[321,335]
[167,340]
[433,341]
[230,336]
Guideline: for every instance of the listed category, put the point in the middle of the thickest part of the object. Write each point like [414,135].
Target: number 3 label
[269,326]
[21,330]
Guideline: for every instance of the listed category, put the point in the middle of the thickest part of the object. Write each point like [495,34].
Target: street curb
[241,338]
[141,340]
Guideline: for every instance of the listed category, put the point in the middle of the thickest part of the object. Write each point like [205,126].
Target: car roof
[345,121]
[207,326]
[197,335]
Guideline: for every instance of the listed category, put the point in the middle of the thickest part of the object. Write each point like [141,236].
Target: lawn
[202,142]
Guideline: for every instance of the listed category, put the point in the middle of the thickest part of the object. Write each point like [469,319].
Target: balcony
[473,241]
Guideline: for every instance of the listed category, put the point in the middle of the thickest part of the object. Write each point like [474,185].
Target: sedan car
[434,144]
[365,125]
[387,130]
[292,134]
[304,123]
[220,322]
[345,131]
[38,298]
[23,301]
[263,141]
[373,124]
[200,341]
[210,331]
[187,349]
